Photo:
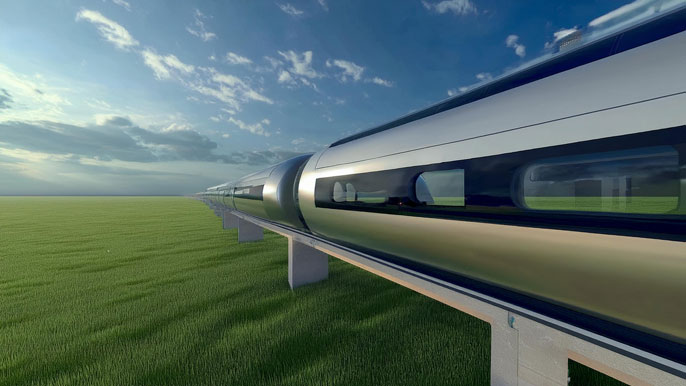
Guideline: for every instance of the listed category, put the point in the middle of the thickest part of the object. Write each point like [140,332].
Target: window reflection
[441,188]
[350,194]
[636,181]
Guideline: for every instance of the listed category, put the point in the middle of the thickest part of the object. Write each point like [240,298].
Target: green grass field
[151,291]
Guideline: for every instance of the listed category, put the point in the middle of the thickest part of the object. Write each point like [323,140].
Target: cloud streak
[234,58]
[164,66]
[198,29]
[290,9]
[380,81]
[112,31]
[458,7]
[351,71]
[122,3]
[256,128]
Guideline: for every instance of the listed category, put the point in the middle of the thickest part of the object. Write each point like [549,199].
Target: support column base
[229,221]
[305,264]
[248,231]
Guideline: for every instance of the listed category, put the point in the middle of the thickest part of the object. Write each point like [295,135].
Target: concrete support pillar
[229,221]
[305,264]
[248,231]
[542,354]
[504,350]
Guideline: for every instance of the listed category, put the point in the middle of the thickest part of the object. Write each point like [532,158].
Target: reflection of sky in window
[653,171]
[445,183]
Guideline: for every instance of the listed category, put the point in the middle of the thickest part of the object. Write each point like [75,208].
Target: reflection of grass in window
[372,200]
[656,205]
[378,197]
[448,201]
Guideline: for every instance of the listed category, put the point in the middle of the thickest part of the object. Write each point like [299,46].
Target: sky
[170,97]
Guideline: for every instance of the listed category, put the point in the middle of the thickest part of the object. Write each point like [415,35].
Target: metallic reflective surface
[278,193]
[635,281]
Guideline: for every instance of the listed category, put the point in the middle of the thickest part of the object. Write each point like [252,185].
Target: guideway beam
[524,351]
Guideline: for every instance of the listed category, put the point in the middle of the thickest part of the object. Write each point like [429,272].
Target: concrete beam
[524,350]
[305,264]
[247,231]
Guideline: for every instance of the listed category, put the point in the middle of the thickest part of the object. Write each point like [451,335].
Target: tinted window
[441,188]
[348,193]
[635,181]
[249,192]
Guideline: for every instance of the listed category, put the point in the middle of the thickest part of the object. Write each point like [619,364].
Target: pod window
[441,188]
[641,181]
[249,192]
[348,193]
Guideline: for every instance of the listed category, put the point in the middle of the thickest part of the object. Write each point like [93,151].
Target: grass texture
[152,291]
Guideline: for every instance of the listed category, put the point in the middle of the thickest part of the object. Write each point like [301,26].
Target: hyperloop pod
[560,188]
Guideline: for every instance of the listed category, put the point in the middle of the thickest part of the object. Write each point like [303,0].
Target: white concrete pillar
[542,354]
[248,231]
[504,350]
[305,264]
[229,221]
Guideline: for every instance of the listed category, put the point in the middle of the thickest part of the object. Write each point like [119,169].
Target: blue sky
[162,97]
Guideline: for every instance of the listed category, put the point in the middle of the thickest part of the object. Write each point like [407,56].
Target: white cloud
[350,69]
[212,58]
[256,128]
[254,95]
[273,62]
[123,4]
[29,97]
[301,64]
[290,9]
[174,62]
[164,66]
[227,79]
[458,7]
[512,41]
[484,76]
[463,89]
[452,92]
[225,135]
[199,29]
[380,82]
[110,30]
[234,58]
[297,141]
[309,84]
[229,89]
[285,77]
[324,5]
